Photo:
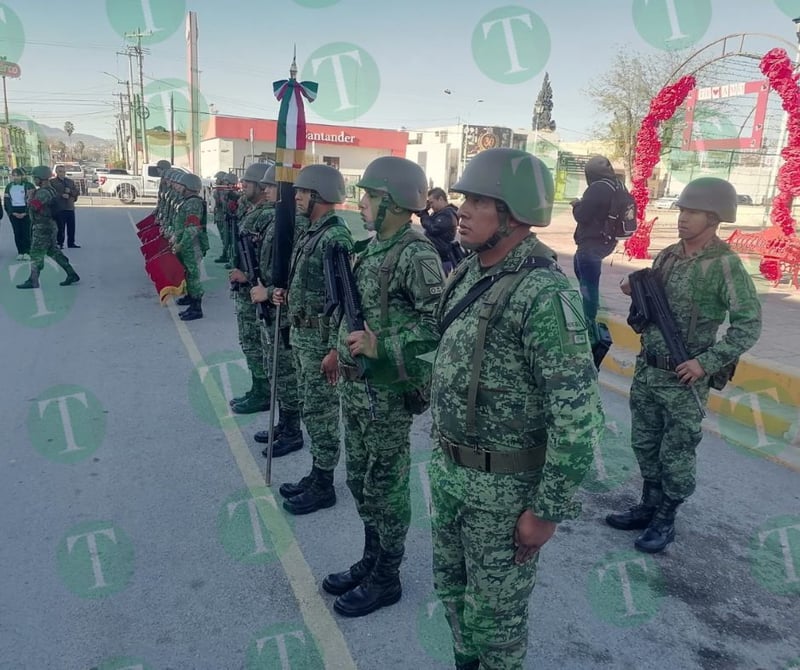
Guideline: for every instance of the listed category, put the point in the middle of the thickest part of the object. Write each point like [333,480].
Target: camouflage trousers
[249,334]
[378,457]
[286,383]
[43,244]
[191,256]
[223,236]
[484,593]
[319,401]
[665,428]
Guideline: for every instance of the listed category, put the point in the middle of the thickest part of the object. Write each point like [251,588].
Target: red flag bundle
[146,222]
[167,274]
[154,248]
[149,235]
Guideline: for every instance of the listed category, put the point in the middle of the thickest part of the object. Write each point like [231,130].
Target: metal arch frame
[725,54]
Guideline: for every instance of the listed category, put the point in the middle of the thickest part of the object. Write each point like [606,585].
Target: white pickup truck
[128,187]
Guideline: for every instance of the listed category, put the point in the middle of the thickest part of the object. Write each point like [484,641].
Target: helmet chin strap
[384,206]
[312,200]
[503,230]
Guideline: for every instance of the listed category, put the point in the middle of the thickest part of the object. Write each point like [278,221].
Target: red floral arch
[779,70]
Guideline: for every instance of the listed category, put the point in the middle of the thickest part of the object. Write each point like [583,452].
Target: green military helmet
[403,180]
[710,194]
[255,172]
[231,179]
[517,178]
[270,178]
[327,182]
[41,172]
[163,165]
[191,182]
[220,176]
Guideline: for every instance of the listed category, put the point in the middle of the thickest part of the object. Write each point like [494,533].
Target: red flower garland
[648,153]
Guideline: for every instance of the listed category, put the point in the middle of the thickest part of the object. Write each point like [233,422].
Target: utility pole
[172,128]
[141,109]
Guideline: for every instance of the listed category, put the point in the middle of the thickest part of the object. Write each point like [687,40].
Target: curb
[760,397]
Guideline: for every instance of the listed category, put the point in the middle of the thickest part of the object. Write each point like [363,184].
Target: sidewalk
[763,398]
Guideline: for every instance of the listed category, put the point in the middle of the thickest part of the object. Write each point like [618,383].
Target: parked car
[666,203]
[99,172]
[128,187]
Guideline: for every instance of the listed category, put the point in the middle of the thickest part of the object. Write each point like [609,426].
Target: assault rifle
[249,258]
[341,291]
[649,305]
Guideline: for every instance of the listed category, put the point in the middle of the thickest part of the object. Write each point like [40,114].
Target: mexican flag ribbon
[291,141]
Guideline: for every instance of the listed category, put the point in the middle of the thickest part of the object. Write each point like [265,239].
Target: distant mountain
[56,134]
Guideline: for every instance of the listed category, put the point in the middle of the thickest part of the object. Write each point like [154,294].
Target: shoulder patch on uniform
[572,309]
[430,271]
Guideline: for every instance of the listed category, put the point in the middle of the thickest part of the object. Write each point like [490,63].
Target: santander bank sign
[333,138]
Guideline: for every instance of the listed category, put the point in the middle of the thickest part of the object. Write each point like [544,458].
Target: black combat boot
[289,490]
[339,583]
[318,495]
[241,398]
[262,436]
[194,311]
[471,665]
[258,400]
[661,530]
[638,516]
[72,278]
[32,281]
[184,301]
[291,438]
[380,588]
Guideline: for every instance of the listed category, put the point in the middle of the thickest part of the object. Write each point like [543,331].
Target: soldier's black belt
[657,361]
[498,462]
[304,321]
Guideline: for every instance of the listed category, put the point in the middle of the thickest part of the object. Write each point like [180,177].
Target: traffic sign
[8,69]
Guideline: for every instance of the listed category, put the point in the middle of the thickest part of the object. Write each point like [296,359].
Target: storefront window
[333,161]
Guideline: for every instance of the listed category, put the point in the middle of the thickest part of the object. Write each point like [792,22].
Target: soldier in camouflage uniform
[255,213]
[515,406]
[220,189]
[44,231]
[287,434]
[705,283]
[318,188]
[189,239]
[398,310]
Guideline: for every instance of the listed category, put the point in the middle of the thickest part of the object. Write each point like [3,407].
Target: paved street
[138,532]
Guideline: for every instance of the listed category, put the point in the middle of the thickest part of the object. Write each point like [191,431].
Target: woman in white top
[15,202]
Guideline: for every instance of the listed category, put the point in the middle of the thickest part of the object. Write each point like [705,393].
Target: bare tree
[69,128]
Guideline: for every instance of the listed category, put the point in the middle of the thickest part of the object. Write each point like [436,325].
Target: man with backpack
[42,211]
[399,280]
[594,236]
[439,220]
[515,406]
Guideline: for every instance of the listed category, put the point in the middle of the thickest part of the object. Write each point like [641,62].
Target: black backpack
[621,222]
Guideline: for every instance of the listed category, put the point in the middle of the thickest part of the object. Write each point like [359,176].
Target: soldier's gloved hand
[238,276]
[530,534]
[330,366]
[363,342]
[279,296]
[259,293]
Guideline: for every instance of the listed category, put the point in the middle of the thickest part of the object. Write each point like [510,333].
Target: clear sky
[393,58]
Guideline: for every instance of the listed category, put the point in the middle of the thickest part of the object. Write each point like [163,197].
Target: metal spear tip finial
[293,68]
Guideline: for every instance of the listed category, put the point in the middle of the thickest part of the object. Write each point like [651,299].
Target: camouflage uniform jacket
[40,206]
[220,200]
[410,328]
[702,289]
[255,222]
[306,297]
[537,383]
[190,222]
